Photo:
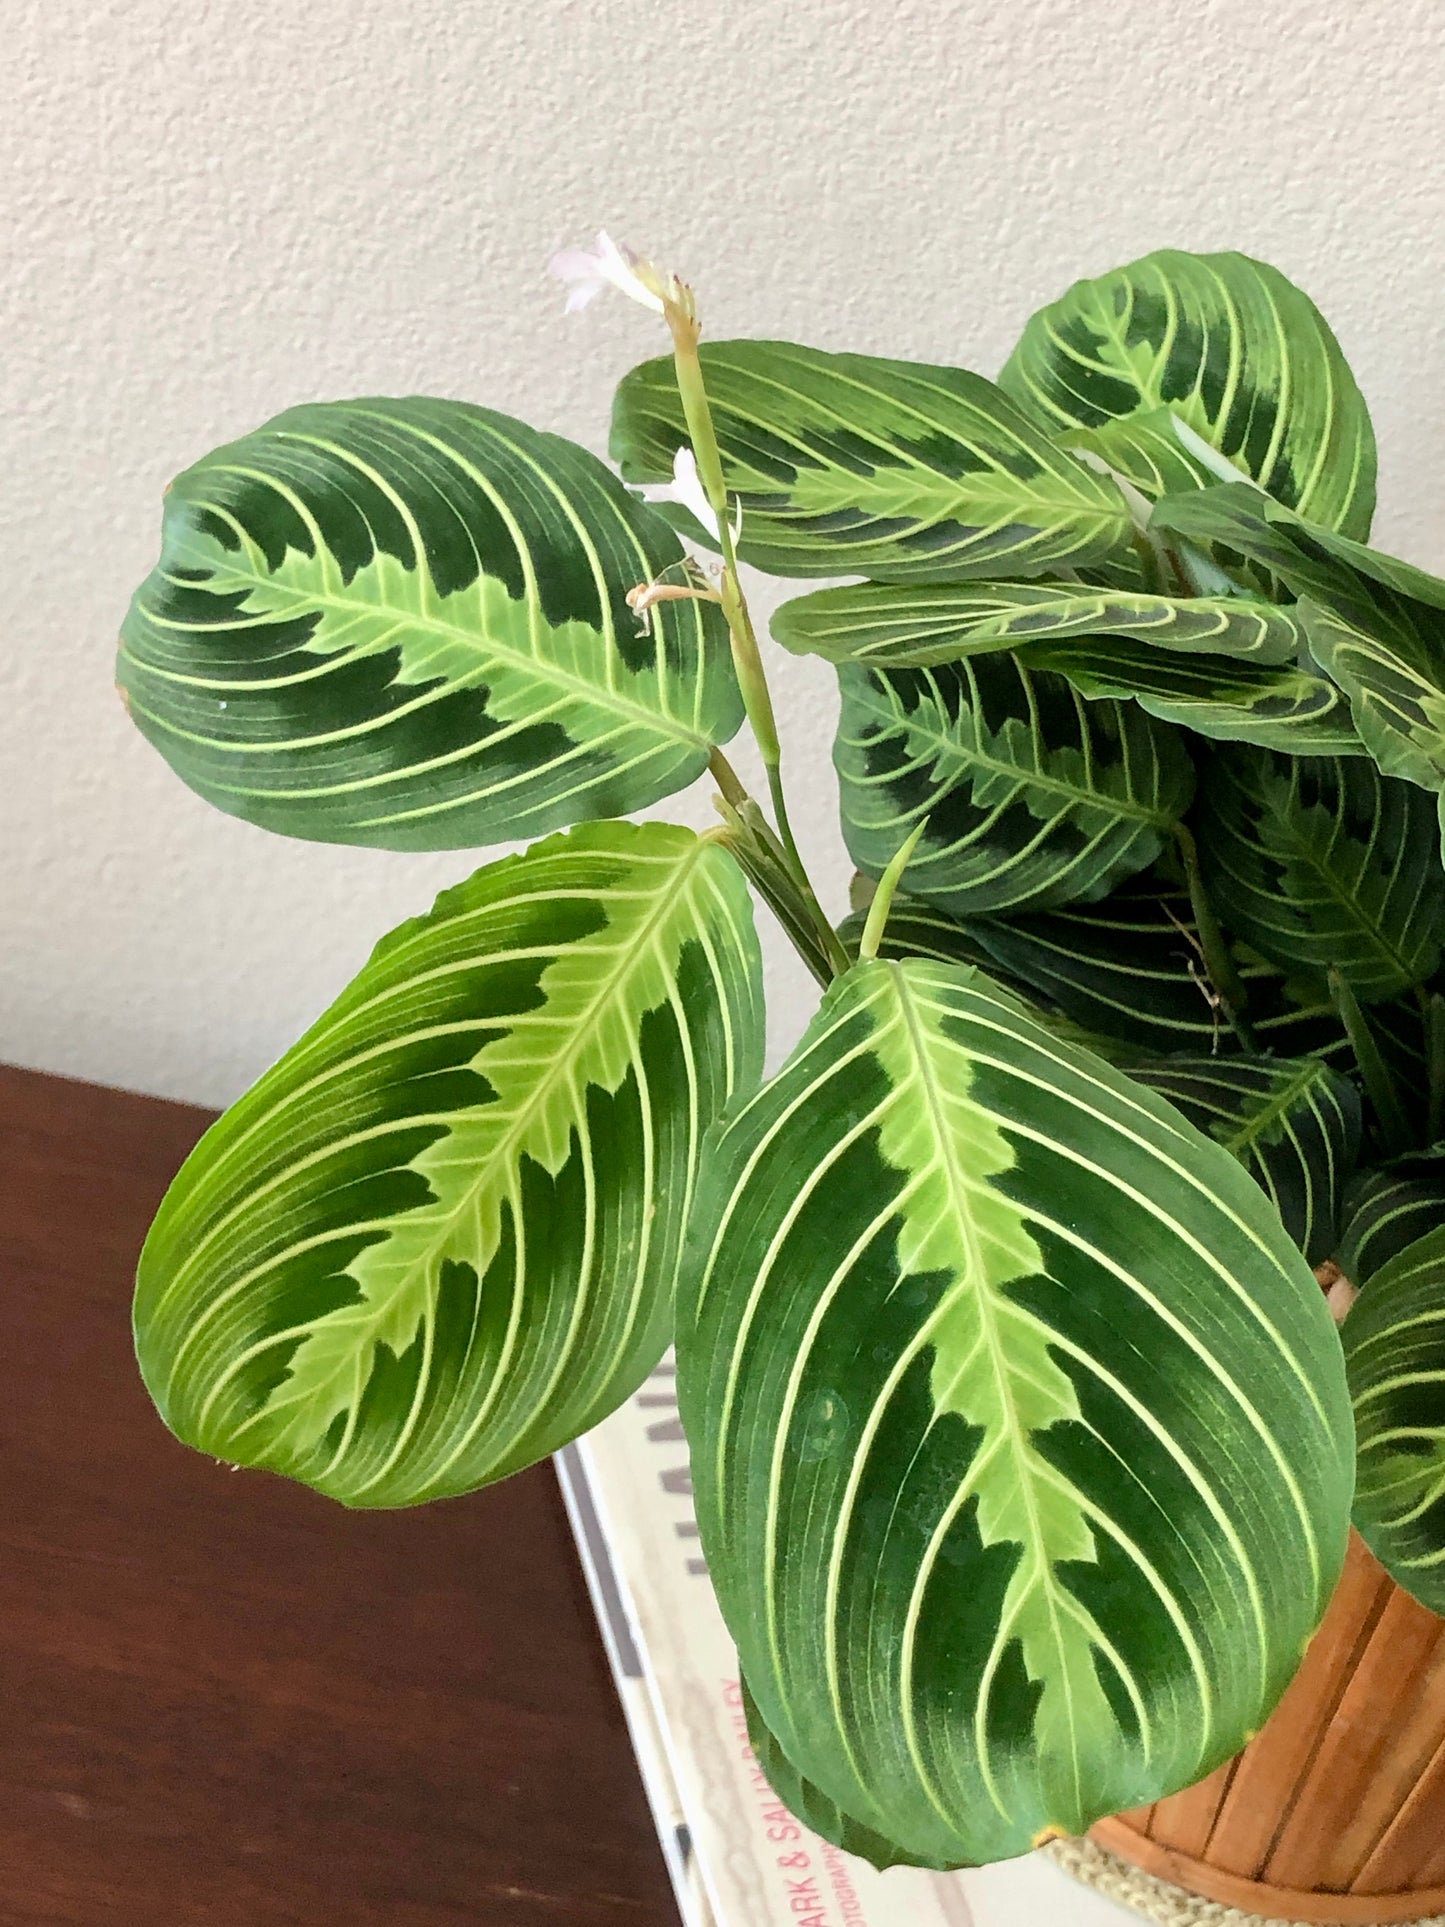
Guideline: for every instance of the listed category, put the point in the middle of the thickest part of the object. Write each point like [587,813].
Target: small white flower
[686,490]
[606,264]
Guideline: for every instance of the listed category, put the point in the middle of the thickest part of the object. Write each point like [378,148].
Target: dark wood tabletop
[226,1702]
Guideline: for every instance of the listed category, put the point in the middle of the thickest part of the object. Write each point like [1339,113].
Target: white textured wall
[212,210]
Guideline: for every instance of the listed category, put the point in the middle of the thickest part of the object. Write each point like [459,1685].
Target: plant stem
[775,888]
[1217,960]
[776,877]
[697,412]
[747,657]
[727,779]
[1374,1071]
[882,903]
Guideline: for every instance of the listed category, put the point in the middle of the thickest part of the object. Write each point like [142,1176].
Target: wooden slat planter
[1336,1812]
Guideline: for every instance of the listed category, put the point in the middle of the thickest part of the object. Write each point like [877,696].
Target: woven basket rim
[1234,1898]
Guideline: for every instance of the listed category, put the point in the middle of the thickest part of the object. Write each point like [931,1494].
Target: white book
[736,1856]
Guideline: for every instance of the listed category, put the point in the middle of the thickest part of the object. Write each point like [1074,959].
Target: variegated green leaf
[441,1236]
[818,1813]
[1308,557]
[1033,796]
[1374,623]
[1388,1208]
[982,1334]
[1395,1357]
[1128,969]
[1277,707]
[1293,1123]
[1394,676]
[404,623]
[1231,347]
[847,464]
[916,625]
[1323,863]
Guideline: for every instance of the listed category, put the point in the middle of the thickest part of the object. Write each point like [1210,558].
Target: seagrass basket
[1336,1811]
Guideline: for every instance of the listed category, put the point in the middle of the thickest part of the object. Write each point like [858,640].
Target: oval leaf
[404,623]
[1322,862]
[1389,1208]
[1374,623]
[1293,1123]
[1282,708]
[983,1334]
[440,1237]
[906,625]
[1395,1356]
[1033,795]
[1230,346]
[847,464]
[1393,672]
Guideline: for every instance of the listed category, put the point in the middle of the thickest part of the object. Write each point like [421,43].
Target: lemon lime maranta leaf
[851,464]
[1395,1356]
[1374,623]
[1033,795]
[441,1236]
[1277,706]
[404,623]
[916,625]
[1322,863]
[1232,348]
[1019,1430]
[1293,1123]
[1388,1208]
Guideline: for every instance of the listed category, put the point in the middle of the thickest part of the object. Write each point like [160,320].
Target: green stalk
[767,865]
[698,415]
[882,904]
[1217,960]
[774,887]
[747,657]
[1375,1073]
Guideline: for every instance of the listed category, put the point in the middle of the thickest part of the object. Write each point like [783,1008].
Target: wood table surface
[227,1702]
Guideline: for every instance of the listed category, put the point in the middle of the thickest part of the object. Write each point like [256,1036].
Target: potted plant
[1024,1441]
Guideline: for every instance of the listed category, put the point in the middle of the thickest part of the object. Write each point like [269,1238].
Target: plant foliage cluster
[1024,1441]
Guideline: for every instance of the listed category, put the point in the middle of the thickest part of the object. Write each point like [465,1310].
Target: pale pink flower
[606,264]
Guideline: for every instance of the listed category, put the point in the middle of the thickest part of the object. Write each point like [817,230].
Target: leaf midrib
[1347,900]
[1277,1107]
[1018,1438]
[559,1068]
[1033,779]
[601,694]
